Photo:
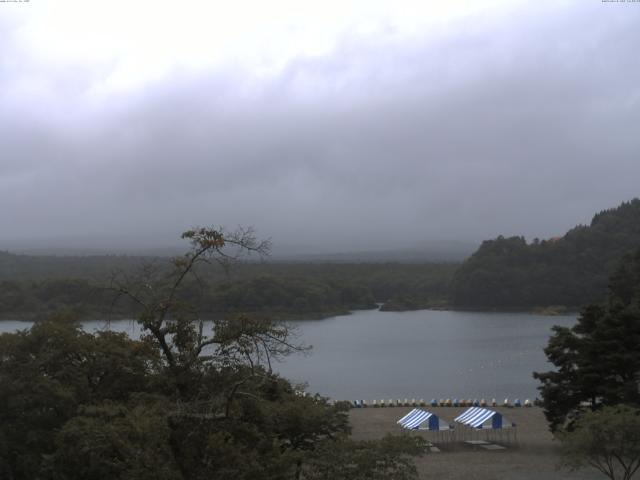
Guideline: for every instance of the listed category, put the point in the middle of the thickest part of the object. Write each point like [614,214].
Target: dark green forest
[504,273]
[571,271]
[34,286]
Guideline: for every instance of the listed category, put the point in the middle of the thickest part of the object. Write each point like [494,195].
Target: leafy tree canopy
[608,440]
[181,403]
[598,360]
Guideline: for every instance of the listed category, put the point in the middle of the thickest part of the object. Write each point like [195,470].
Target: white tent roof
[417,417]
[477,417]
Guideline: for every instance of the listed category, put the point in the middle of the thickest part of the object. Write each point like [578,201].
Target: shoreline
[310,316]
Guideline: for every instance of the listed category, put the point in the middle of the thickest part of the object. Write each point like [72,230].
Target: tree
[388,459]
[179,404]
[48,373]
[116,440]
[597,360]
[608,440]
[174,326]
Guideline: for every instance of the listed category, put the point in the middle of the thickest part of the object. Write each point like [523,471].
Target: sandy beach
[533,456]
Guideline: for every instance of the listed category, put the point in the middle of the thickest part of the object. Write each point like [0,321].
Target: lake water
[422,354]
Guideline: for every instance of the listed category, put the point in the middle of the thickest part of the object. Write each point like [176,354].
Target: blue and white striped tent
[417,418]
[482,418]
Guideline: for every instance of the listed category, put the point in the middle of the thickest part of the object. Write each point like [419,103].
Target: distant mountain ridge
[572,270]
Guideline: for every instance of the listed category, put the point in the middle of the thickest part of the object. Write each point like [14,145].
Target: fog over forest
[343,127]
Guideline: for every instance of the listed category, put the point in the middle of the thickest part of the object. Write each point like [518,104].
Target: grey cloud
[521,126]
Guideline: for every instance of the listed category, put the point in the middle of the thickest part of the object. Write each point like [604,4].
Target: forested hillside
[504,273]
[570,271]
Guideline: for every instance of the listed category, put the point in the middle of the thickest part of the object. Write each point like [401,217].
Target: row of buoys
[390,403]
[440,403]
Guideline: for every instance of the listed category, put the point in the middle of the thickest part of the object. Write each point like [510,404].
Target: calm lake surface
[422,354]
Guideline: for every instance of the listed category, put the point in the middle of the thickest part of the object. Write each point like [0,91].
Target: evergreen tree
[597,360]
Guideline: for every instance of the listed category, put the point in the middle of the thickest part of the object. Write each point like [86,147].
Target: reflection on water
[424,354]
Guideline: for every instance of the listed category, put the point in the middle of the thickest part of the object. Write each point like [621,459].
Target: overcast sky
[339,126]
